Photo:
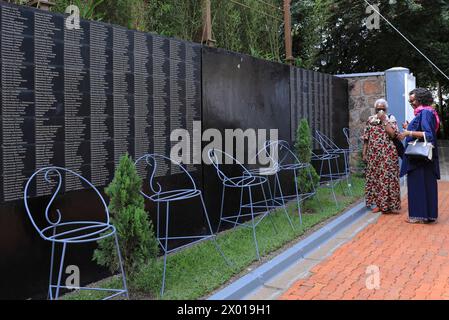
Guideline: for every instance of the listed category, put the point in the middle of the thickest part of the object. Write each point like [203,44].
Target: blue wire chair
[64,232]
[160,196]
[328,146]
[351,136]
[270,150]
[245,181]
[327,180]
[289,162]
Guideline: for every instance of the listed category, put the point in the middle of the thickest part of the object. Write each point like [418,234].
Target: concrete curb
[242,287]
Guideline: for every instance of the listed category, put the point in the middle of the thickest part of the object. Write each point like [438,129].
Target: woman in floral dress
[380,154]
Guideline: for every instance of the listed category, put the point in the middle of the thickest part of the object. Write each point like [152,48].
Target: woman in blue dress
[422,175]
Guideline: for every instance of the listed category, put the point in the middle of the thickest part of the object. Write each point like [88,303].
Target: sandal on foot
[413,221]
[390,212]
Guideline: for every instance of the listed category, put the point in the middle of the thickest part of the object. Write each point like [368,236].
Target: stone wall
[364,90]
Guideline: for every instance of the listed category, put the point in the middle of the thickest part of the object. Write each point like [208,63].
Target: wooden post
[41,4]
[288,33]
[207,25]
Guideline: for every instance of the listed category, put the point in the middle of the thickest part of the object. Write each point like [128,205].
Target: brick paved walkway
[413,261]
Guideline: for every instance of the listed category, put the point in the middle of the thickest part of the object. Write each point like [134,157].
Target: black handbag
[399,147]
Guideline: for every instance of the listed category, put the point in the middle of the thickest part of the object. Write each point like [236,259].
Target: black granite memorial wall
[240,91]
[80,99]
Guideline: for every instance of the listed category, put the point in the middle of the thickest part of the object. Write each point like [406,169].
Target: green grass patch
[197,271]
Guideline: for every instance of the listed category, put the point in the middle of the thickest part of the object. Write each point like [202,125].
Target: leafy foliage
[248,26]
[88,8]
[328,35]
[138,244]
[253,28]
[307,179]
[332,37]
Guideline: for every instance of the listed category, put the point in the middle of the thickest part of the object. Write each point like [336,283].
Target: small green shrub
[303,147]
[138,244]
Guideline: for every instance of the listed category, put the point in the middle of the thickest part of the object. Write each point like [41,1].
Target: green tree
[249,26]
[309,18]
[332,36]
[89,9]
[307,178]
[253,27]
[138,244]
[174,18]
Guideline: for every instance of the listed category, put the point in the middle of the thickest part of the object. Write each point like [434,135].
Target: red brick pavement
[413,261]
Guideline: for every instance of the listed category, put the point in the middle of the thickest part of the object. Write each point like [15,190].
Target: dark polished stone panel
[243,92]
[82,98]
[90,89]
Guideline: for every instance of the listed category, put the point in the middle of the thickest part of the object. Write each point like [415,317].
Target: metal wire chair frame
[326,180]
[352,147]
[166,197]
[246,181]
[299,195]
[273,170]
[92,231]
[328,146]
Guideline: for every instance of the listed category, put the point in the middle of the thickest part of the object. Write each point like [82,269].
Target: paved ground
[444,159]
[276,286]
[412,261]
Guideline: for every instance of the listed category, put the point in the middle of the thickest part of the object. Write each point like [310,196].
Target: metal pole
[288,32]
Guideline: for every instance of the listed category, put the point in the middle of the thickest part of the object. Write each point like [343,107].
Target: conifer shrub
[138,244]
[303,148]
